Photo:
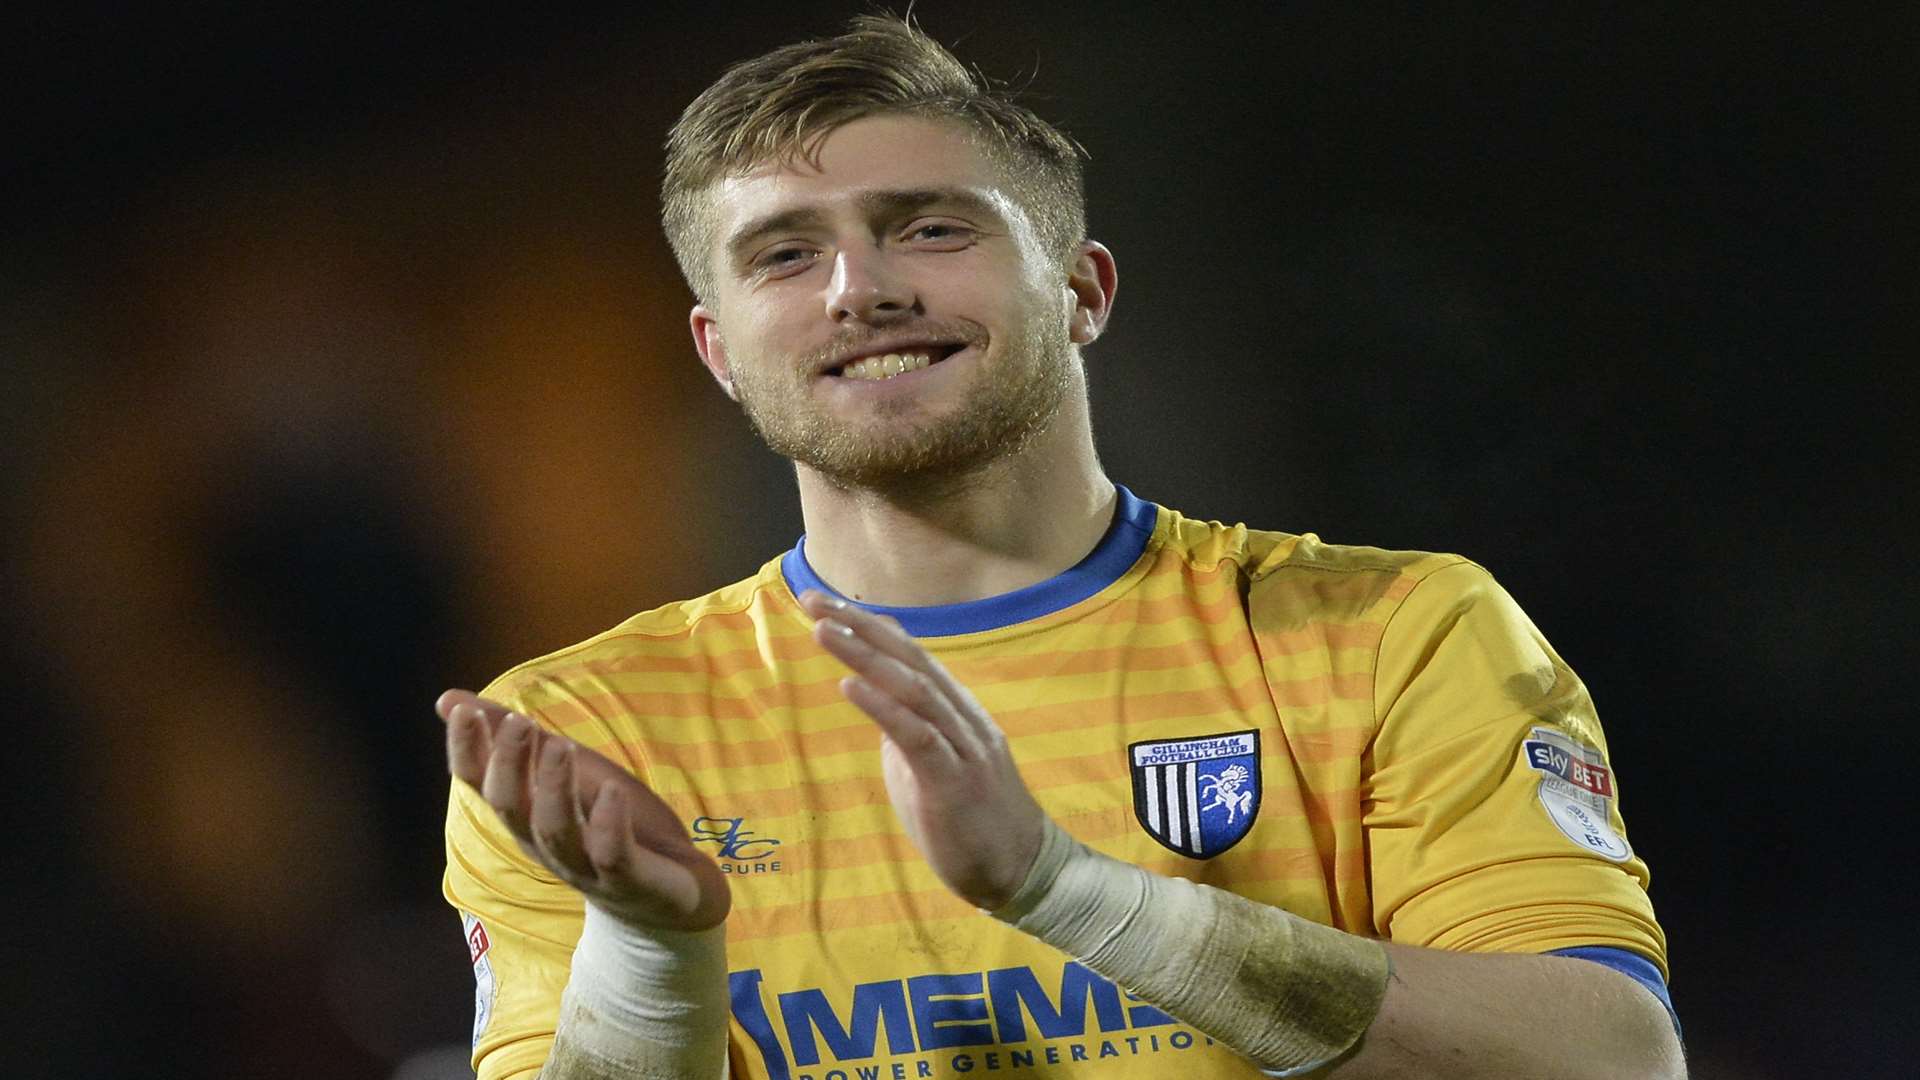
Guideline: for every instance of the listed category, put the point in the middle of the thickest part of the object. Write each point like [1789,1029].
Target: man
[1147,794]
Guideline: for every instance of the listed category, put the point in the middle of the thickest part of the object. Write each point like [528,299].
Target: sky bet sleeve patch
[1576,787]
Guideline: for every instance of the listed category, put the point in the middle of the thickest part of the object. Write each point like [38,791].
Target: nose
[865,287]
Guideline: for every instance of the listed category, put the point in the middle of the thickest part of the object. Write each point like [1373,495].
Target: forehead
[870,155]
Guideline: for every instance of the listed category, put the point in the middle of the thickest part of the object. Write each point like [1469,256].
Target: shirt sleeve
[521,926]
[1491,812]
[527,921]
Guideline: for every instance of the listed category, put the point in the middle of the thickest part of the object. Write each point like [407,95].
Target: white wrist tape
[1289,994]
[643,1004]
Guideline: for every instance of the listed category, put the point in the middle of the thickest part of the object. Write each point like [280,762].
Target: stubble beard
[1015,400]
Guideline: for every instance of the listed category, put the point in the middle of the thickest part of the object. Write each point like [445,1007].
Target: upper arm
[1640,1008]
[1448,1013]
[1487,758]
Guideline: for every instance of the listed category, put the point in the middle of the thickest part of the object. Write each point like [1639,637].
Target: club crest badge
[1199,796]
[1576,787]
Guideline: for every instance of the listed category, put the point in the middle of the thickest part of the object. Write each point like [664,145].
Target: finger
[927,749]
[655,820]
[456,700]
[469,741]
[450,700]
[627,868]
[654,823]
[909,686]
[880,631]
[883,632]
[887,636]
[505,787]
[555,819]
[469,744]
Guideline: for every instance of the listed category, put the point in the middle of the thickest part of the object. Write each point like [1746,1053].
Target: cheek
[755,344]
[1042,307]
[1045,296]
[1013,297]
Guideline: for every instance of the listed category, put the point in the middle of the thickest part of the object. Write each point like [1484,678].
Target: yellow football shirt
[1376,740]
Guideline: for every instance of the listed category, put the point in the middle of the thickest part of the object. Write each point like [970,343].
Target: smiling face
[885,310]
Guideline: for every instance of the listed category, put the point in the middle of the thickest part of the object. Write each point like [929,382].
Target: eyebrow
[890,203]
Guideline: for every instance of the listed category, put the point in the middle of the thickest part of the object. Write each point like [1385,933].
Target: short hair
[778,107]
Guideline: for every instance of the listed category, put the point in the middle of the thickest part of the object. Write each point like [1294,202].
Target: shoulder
[664,638]
[1292,574]
[1310,556]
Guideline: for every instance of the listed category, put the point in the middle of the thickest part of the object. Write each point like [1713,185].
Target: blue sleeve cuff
[1633,966]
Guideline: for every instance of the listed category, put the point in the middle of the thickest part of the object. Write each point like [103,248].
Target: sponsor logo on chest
[943,1024]
[740,849]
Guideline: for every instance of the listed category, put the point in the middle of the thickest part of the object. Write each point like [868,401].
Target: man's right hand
[587,820]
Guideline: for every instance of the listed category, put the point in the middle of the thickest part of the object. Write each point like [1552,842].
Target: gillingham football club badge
[1576,787]
[1197,796]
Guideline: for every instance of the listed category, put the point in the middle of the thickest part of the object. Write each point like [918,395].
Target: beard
[1016,395]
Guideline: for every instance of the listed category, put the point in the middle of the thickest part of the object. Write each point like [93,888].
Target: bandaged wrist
[1287,993]
[643,1003]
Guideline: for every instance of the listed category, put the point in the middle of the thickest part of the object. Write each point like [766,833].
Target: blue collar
[1117,551]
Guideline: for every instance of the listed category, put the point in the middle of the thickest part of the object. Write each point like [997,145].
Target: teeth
[886,367]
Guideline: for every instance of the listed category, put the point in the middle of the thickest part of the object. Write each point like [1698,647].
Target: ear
[712,350]
[1093,280]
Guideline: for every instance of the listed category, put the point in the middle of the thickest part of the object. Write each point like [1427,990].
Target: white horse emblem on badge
[1225,789]
[1198,796]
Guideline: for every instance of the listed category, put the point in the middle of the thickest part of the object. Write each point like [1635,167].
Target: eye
[941,235]
[783,260]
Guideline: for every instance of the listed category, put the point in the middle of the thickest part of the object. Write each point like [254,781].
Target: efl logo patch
[1576,787]
[1198,797]
[483,986]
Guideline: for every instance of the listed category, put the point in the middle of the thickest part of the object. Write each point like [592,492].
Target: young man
[1146,794]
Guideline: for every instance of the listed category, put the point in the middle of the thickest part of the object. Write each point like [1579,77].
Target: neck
[1013,522]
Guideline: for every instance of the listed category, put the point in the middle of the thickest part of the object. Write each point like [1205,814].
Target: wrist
[646,1002]
[1014,877]
[1287,993]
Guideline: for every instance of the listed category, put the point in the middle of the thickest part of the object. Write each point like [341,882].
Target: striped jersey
[1376,740]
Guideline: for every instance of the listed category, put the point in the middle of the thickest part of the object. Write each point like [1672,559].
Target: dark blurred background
[346,362]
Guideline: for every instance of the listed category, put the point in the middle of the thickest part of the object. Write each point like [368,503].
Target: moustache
[847,346]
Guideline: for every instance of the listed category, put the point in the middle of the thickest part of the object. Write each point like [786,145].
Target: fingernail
[835,626]
[554,754]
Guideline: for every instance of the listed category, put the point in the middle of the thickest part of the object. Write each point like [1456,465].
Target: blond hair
[778,107]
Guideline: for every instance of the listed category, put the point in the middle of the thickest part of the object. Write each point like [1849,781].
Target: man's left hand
[952,780]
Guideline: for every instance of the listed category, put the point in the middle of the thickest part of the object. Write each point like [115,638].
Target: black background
[1615,301]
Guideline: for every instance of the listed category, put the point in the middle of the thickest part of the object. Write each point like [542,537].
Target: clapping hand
[946,763]
[591,823]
